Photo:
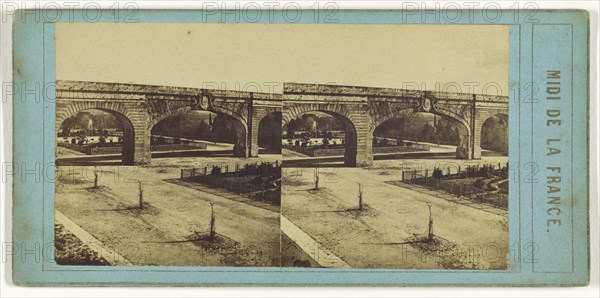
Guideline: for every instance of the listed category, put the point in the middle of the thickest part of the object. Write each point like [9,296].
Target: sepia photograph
[282,145]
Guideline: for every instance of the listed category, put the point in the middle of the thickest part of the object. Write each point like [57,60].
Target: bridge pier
[364,150]
[141,142]
[141,154]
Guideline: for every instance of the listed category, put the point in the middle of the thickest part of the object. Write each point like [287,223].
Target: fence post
[426,174]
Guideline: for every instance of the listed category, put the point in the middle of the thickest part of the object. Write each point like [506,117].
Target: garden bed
[69,250]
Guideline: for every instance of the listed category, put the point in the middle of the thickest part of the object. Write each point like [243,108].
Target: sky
[260,57]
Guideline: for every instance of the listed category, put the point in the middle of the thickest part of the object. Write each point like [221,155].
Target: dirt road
[378,237]
[164,232]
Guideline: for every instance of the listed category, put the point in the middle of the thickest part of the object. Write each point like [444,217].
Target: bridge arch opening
[211,133]
[269,133]
[494,133]
[412,132]
[95,131]
[321,133]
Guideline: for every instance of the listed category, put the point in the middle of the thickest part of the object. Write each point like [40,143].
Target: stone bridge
[359,109]
[140,107]
[362,109]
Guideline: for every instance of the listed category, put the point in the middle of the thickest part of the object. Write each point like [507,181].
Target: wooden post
[316,178]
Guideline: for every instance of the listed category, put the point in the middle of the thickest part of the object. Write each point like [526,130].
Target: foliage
[198,125]
[216,170]
[486,171]
[437,173]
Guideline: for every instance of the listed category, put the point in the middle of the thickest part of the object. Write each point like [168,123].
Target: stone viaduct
[359,109]
[362,109]
[140,107]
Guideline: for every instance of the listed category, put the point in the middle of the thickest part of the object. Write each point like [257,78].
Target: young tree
[212,222]
[95,177]
[360,198]
[430,228]
[141,195]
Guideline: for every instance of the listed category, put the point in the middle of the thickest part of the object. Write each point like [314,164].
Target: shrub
[486,171]
[504,171]
[216,170]
[251,168]
[437,173]
[479,183]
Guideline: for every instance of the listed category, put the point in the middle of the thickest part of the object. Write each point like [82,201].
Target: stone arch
[276,134]
[241,131]
[483,117]
[115,109]
[339,112]
[385,111]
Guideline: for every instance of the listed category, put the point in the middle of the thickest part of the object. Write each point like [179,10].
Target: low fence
[225,171]
[475,171]
[459,184]
[399,149]
[173,147]
[244,180]
[91,150]
[318,151]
